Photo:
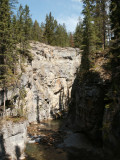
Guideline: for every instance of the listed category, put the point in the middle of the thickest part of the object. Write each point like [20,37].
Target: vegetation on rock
[98,115]
[98,35]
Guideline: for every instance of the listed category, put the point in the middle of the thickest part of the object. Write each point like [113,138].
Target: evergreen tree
[50,29]
[71,40]
[65,36]
[20,23]
[42,26]
[115,18]
[78,35]
[14,30]
[115,26]
[114,67]
[61,36]
[27,25]
[24,28]
[100,23]
[6,48]
[89,39]
[89,36]
[51,32]
[37,32]
[14,27]
[104,22]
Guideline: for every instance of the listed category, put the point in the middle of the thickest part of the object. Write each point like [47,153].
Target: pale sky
[64,11]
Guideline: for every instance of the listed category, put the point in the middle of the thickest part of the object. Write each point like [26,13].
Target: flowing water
[75,147]
[43,152]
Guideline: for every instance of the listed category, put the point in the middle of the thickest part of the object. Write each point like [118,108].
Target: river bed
[74,146]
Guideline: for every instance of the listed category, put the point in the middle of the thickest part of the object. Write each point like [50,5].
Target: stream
[58,144]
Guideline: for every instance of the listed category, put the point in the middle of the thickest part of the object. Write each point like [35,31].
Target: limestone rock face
[13,138]
[46,82]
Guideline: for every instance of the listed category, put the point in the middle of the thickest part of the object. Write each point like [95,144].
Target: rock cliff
[13,138]
[88,103]
[42,92]
[95,105]
[44,89]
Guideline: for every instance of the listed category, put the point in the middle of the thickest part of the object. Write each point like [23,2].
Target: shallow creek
[73,146]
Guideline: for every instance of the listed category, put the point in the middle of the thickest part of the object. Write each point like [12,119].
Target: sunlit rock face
[48,80]
[45,82]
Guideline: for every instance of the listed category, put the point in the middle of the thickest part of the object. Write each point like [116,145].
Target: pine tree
[115,26]
[7,46]
[24,28]
[98,24]
[42,27]
[37,32]
[51,32]
[115,18]
[27,25]
[104,22]
[14,26]
[65,36]
[101,22]
[114,67]
[20,23]
[88,25]
[61,36]
[71,40]
[89,36]
[78,35]
[50,29]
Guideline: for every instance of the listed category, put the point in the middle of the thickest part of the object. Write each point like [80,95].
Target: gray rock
[47,82]
[13,140]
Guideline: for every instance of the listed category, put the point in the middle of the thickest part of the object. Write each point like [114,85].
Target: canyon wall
[44,88]
[95,105]
[87,108]
[13,138]
[42,91]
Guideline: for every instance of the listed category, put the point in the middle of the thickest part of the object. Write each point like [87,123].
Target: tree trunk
[4,97]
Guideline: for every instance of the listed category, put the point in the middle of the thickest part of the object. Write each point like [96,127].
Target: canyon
[42,92]
[49,87]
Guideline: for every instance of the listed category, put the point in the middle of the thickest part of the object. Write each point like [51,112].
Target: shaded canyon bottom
[58,143]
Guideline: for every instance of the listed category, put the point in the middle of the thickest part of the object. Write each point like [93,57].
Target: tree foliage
[7,46]
[115,26]
[78,35]
[55,34]
[92,33]
[37,33]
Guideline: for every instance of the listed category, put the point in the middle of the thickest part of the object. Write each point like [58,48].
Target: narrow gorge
[42,92]
[50,88]
[60,80]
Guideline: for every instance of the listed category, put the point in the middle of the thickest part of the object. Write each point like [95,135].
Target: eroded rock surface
[13,138]
[45,85]
[48,80]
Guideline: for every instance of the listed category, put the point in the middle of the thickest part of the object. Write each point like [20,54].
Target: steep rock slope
[44,88]
[95,104]
[13,138]
[88,99]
